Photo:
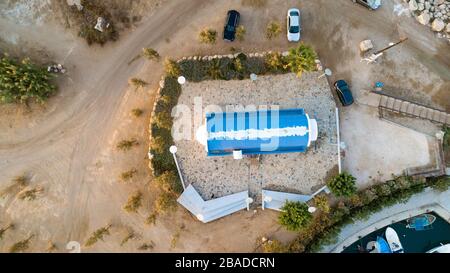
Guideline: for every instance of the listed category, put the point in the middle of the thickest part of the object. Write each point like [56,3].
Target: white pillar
[173,150]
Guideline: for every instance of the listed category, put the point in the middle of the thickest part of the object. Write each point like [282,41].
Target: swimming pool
[413,241]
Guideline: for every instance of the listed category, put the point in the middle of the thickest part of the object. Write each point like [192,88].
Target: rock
[413,5]
[437,25]
[424,18]
[447,29]
[366,45]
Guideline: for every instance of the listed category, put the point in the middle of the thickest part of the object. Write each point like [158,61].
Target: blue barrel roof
[260,132]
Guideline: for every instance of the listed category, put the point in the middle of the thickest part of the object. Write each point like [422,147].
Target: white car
[293,25]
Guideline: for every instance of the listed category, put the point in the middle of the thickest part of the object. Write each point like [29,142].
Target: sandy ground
[296,172]
[68,146]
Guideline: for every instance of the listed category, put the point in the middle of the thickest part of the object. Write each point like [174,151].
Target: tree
[295,215]
[207,36]
[134,202]
[22,81]
[172,68]
[150,53]
[169,182]
[99,234]
[273,30]
[240,33]
[138,83]
[343,184]
[300,59]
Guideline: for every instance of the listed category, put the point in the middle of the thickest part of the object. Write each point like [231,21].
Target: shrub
[151,219]
[275,62]
[294,215]
[273,30]
[207,36]
[99,234]
[125,145]
[300,59]
[146,246]
[163,120]
[137,112]
[4,229]
[273,246]
[442,184]
[150,53]
[240,33]
[159,144]
[137,83]
[321,202]
[172,68]
[30,194]
[21,245]
[129,236]
[343,185]
[24,81]
[165,202]
[125,176]
[134,202]
[169,182]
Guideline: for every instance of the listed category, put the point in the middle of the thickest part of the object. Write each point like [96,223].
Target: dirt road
[68,147]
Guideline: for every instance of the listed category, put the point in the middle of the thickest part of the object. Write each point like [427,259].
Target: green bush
[294,215]
[137,83]
[343,185]
[24,81]
[137,112]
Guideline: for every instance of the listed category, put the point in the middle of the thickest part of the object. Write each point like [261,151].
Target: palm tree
[300,59]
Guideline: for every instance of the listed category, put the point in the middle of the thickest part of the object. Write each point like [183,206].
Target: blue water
[413,241]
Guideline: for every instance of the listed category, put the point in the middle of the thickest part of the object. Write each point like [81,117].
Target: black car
[343,92]
[229,32]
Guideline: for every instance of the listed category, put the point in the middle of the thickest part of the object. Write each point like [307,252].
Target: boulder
[423,18]
[413,5]
[437,25]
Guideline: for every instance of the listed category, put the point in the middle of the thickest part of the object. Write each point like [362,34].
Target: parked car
[293,25]
[232,22]
[343,92]
[370,4]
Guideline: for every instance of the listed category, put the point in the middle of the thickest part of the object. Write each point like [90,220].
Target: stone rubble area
[433,13]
